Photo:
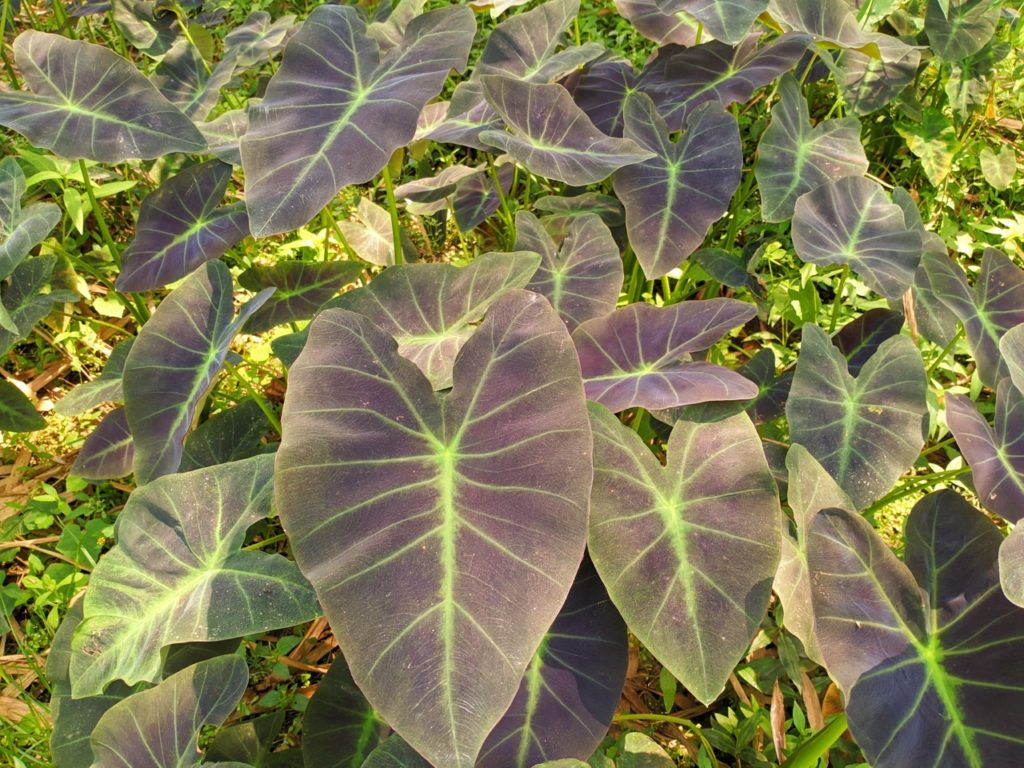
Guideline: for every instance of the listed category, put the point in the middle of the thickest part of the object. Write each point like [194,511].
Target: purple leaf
[660,20]
[602,91]
[639,355]
[301,288]
[476,197]
[182,76]
[108,451]
[484,499]
[258,39]
[860,338]
[339,727]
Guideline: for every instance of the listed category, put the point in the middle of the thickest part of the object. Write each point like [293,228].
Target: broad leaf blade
[181,227]
[339,727]
[108,451]
[335,110]
[728,20]
[665,539]
[485,499]
[639,355]
[1011,566]
[88,102]
[867,430]
[963,30]
[167,528]
[17,414]
[859,339]
[660,20]
[229,436]
[172,363]
[673,198]
[301,288]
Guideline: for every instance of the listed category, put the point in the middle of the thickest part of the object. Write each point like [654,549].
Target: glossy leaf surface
[572,686]
[159,728]
[485,499]
[639,355]
[794,157]
[851,221]
[866,430]
[173,361]
[553,137]
[189,528]
[673,198]
[666,540]
[583,277]
[336,109]
[88,102]
[181,227]
[108,451]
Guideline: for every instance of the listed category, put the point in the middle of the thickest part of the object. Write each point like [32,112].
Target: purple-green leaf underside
[108,451]
[88,102]
[302,287]
[339,727]
[930,666]
[551,136]
[174,360]
[484,499]
[181,227]
[673,198]
[572,686]
[639,355]
[336,109]
[582,278]
[795,157]
[994,453]
[159,727]
[189,529]
[851,221]
[665,541]
[866,430]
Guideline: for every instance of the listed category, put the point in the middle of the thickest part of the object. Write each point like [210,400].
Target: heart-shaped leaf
[108,451]
[88,102]
[963,29]
[927,656]
[639,355]
[551,136]
[301,288]
[507,450]
[339,727]
[660,20]
[995,454]
[159,728]
[673,198]
[17,414]
[998,167]
[728,20]
[148,25]
[174,359]
[867,430]
[582,279]
[602,91]
[572,686]
[229,436]
[859,339]
[104,388]
[665,539]
[989,310]
[20,229]
[562,211]
[851,221]
[184,78]
[794,158]
[189,529]
[832,21]
[258,38]
[181,227]
[336,110]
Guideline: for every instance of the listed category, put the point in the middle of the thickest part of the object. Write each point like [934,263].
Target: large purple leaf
[851,221]
[562,211]
[673,198]
[189,529]
[859,339]
[88,102]
[667,539]
[301,288]
[336,110]
[159,728]
[660,20]
[930,666]
[174,360]
[477,197]
[833,21]
[680,80]
[794,157]
[551,136]
[181,227]
[866,430]
[484,499]
[868,83]
[994,453]
[728,20]
[571,688]
[339,727]
[108,451]
[993,307]
[639,355]
[602,91]
[582,278]
[257,39]
[184,78]
[467,116]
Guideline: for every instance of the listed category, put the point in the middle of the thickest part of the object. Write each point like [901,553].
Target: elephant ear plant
[491,470]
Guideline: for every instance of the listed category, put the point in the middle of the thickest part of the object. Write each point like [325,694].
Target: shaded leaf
[108,451]
[231,435]
[250,744]
[868,83]
[26,299]
[149,25]
[17,414]
[224,132]
[183,77]
[859,339]
[602,91]
[188,528]
[562,211]
[88,102]
[21,229]
[301,288]
[393,752]
[1011,566]
[506,451]
[665,541]
[339,727]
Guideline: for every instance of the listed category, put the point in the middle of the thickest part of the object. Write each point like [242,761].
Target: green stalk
[948,348]
[328,218]
[62,18]
[654,717]
[506,212]
[101,221]
[260,400]
[4,15]
[396,231]
[810,751]
[838,301]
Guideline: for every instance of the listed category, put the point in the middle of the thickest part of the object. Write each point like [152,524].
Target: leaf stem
[838,301]
[260,400]
[946,350]
[4,16]
[810,751]
[396,230]
[101,221]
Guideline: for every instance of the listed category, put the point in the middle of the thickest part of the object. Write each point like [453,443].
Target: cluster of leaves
[491,469]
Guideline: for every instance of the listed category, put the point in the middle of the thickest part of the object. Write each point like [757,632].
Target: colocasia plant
[491,470]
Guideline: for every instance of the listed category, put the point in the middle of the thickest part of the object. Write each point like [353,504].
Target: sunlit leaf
[602,91]
[728,20]
[257,39]
[868,83]
[183,77]
[934,141]
[108,451]
[21,229]
[999,167]
[1011,566]
[660,20]
[149,25]
[17,414]
[28,297]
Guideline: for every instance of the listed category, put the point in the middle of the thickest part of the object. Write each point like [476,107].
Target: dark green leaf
[17,414]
